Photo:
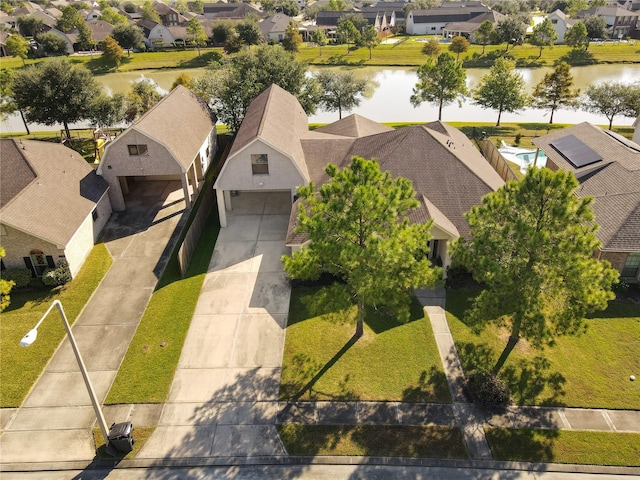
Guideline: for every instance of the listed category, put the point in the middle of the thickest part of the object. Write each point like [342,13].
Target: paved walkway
[55,419]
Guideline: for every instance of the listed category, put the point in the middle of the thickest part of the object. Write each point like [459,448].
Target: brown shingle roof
[182,138]
[354,126]
[614,183]
[63,191]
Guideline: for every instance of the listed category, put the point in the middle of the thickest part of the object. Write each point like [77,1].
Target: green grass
[562,446]
[21,367]
[586,370]
[373,440]
[140,437]
[392,361]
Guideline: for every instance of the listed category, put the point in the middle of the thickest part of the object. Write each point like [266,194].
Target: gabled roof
[48,190]
[182,138]
[448,14]
[99,30]
[354,126]
[474,24]
[275,117]
[614,182]
[275,23]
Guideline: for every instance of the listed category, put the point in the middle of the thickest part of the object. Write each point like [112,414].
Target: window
[259,163]
[630,269]
[554,21]
[138,149]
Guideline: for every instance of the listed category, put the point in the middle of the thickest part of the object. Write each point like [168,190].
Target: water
[387,99]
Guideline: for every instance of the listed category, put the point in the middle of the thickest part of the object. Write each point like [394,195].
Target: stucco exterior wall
[80,245]
[237,173]
[431,28]
[103,210]
[18,244]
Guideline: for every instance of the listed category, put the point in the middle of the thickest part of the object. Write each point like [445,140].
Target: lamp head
[29,338]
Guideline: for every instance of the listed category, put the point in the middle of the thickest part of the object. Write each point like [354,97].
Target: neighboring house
[4,51]
[381,20]
[48,20]
[99,31]
[176,139]
[468,29]
[228,11]
[607,166]
[53,206]
[273,28]
[93,14]
[69,41]
[156,34]
[621,23]
[170,16]
[561,23]
[434,20]
[274,150]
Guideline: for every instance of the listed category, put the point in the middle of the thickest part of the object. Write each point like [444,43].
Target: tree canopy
[320,38]
[292,38]
[18,46]
[140,98]
[55,91]
[440,82]
[52,44]
[359,231]
[459,45]
[197,35]
[340,90]
[577,36]
[431,48]
[544,35]
[613,98]
[531,245]
[501,89]
[510,30]
[554,91]
[128,36]
[485,34]
[231,86]
[112,51]
[370,38]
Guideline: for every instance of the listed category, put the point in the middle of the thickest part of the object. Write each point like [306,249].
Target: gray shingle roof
[614,183]
[354,126]
[62,192]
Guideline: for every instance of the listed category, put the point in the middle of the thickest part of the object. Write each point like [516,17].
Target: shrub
[517,139]
[487,390]
[620,286]
[54,277]
[458,276]
[20,276]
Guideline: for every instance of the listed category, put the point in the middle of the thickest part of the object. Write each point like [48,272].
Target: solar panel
[575,151]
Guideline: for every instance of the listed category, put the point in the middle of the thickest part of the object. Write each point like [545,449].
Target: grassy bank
[587,370]
[21,367]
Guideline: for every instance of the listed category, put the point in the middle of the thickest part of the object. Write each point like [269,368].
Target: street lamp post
[30,337]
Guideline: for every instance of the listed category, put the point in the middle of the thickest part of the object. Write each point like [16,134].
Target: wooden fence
[497,161]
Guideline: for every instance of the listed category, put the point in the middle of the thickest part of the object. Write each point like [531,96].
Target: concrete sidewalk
[55,419]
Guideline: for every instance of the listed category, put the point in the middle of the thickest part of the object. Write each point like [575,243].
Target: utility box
[121,437]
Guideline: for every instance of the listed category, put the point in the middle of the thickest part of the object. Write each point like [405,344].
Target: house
[228,11]
[621,23]
[156,34]
[99,31]
[275,151]
[176,139]
[273,28]
[53,206]
[170,16]
[432,21]
[607,166]
[67,40]
[561,23]
[468,29]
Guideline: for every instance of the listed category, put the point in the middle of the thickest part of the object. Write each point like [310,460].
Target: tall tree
[222,31]
[107,111]
[7,103]
[543,35]
[575,6]
[611,99]
[576,36]
[198,36]
[231,86]
[52,44]
[112,51]
[440,82]
[340,91]
[183,79]
[18,46]
[111,16]
[554,91]
[370,38]
[29,25]
[458,45]
[198,7]
[148,12]
[292,38]
[320,39]
[510,30]
[128,36]
[85,36]
[485,34]
[347,31]
[141,97]
[70,18]
[249,32]
[501,89]
[431,48]
[359,230]
[596,28]
[532,245]
[55,91]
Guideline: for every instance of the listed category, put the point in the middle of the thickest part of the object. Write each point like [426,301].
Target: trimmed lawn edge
[373,440]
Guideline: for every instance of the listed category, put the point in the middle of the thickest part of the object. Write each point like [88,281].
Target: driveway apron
[54,422]
[223,400]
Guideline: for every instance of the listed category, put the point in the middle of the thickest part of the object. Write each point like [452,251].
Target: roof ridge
[269,93]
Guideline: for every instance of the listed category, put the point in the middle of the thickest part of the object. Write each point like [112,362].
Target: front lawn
[21,367]
[565,446]
[392,361]
[587,370]
[373,440]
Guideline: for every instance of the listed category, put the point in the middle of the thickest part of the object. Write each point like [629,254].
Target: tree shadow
[430,384]
[616,310]
[576,57]
[204,60]
[522,444]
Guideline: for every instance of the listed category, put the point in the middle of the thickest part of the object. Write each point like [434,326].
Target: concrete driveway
[223,401]
[55,420]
